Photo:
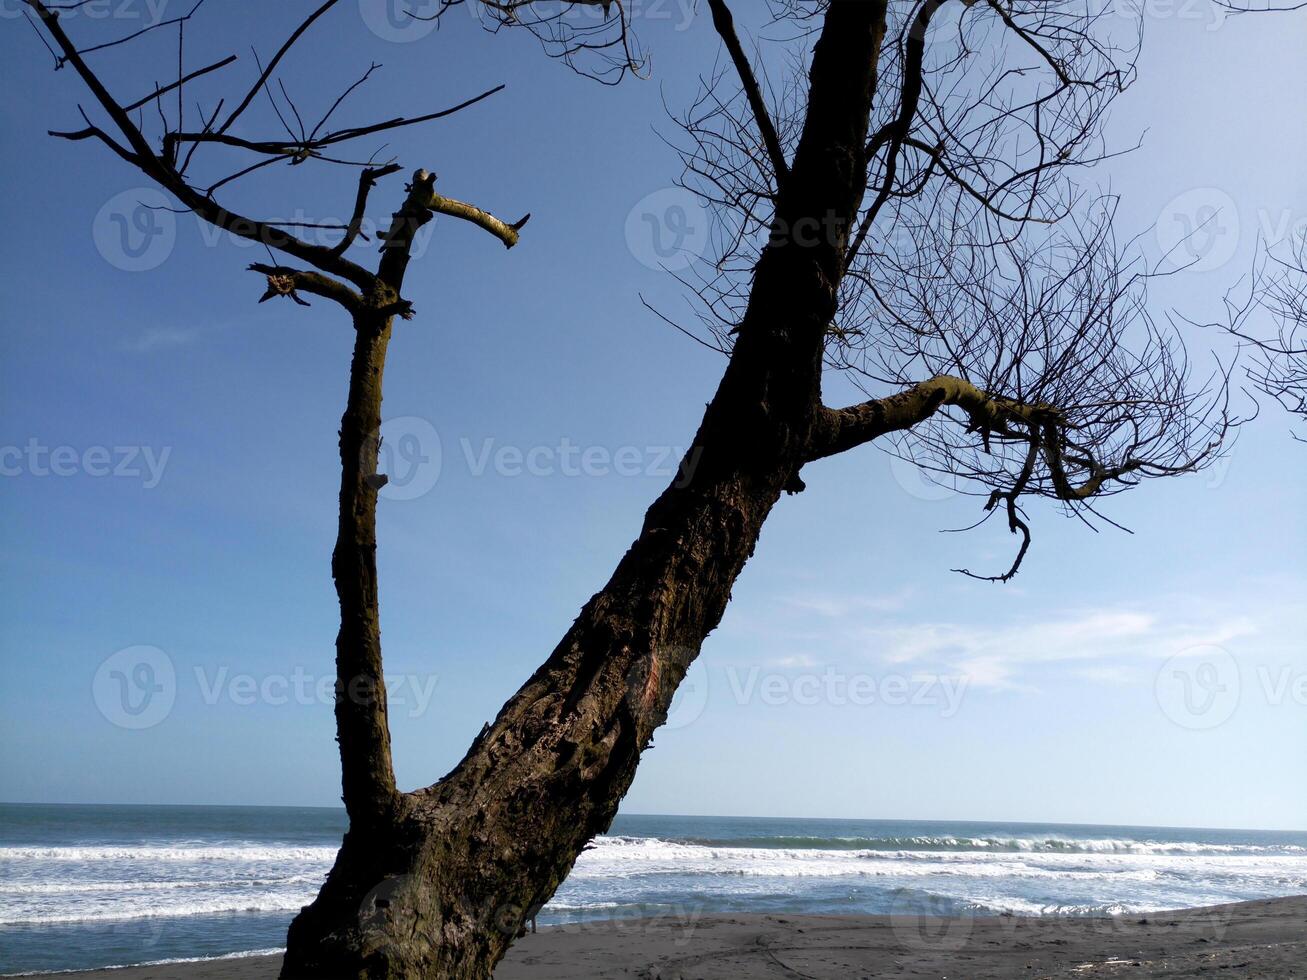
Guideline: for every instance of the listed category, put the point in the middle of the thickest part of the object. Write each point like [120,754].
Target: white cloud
[162,338]
[1117,644]
[801,660]
[997,655]
[839,607]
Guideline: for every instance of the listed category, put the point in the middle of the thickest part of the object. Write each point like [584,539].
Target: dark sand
[1262,940]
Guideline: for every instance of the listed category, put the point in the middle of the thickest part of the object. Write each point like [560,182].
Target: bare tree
[1276,292]
[1277,289]
[592,37]
[169,154]
[903,213]
[999,337]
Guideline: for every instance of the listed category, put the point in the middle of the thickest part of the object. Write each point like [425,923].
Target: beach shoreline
[1265,939]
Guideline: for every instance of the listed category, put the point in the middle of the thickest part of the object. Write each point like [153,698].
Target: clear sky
[212,543]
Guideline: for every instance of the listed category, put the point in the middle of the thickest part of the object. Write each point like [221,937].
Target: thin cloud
[162,338]
[1000,656]
[839,607]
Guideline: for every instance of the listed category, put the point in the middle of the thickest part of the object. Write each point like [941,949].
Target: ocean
[83,887]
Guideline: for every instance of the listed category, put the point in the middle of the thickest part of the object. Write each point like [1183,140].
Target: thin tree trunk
[361,723]
[443,888]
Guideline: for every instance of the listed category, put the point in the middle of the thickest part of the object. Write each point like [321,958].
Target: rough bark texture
[361,720]
[442,882]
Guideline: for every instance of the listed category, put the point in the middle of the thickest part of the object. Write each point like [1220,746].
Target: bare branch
[288,282]
[272,65]
[725,25]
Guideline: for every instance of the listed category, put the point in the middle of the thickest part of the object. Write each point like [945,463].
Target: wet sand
[1265,940]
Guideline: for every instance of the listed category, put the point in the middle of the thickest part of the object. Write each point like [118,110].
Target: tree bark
[439,881]
[368,778]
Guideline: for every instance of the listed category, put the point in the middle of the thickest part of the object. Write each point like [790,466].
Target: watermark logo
[135,231]
[1212,14]
[148,13]
[1199,229]
[690,700]
[410,693]
[136,687]
[917,482]
[400,21]
[409,456]
[668,229]
[35,459]
[1199,688]
[929,922]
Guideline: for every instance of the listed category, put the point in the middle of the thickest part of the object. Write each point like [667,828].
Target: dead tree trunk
[361,722]
[441,883]
[444,889]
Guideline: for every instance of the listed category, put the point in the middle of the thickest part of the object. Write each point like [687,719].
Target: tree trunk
[437,883]
[367,774]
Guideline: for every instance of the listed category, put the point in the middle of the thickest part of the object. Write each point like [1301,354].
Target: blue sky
[1158,677]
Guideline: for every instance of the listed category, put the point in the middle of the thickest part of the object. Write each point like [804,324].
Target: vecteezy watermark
[411,693]
[146,13]
[410,454]
[929,923]
[835,687]
[1213,14]
[646,685]
[135,230]
[675,921]
[35,459]
[1203,687]
[573,460]
[1283,685]
[668,229]
[324,230]
[136,687]
[1199,688]
[774,688]
[401,21]
[1198,230]
[918,482]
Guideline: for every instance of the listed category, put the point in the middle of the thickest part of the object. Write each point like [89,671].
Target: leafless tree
[902,212]
[592,37]
[1276,292]
[151,135]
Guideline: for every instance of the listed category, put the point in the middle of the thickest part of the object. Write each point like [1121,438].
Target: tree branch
[286,281]
[724,23]
[272,65]
[367,180]
[846,428]
[154,167]
[429,199]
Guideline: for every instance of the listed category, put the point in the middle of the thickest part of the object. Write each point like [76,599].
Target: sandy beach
[1266,940]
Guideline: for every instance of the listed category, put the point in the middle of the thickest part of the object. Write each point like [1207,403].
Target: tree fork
[444,890]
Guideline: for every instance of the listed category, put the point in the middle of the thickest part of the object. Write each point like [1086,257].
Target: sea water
[92,886]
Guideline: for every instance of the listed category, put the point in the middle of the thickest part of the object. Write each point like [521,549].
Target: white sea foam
[128,907]
[1072,845]
[60,885]
[1031,880]
[43,886]
[244,853]
[243,955]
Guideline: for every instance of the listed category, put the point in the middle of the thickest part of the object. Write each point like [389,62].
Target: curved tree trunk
[437,883]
